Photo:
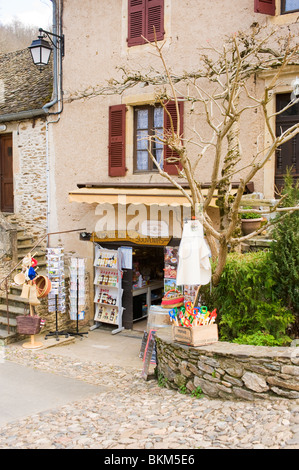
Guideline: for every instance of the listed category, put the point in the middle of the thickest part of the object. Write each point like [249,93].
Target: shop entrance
[141,268]
[147,282]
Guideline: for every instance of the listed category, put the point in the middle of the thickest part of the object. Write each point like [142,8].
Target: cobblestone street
[131,413]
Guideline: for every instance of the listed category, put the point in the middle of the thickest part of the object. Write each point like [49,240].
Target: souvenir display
[56,298]
[33,288]
[77,288]
[108,291]
[189,316]
[194,326]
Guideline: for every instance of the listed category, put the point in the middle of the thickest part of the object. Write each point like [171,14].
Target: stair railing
[5,279]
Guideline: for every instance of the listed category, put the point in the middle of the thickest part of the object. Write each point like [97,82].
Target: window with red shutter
[136,27]
[143,17]
[169,167]
[267,7]
[117,128]
[155,20]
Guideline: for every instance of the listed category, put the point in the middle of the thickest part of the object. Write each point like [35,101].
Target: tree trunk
[231,159]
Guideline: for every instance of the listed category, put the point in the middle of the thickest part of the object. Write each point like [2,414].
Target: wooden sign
[129,236]
[150,355]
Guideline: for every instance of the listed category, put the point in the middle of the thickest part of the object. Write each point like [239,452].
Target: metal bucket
[158,317]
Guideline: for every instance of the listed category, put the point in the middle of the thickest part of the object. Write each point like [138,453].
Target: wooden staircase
[17,305]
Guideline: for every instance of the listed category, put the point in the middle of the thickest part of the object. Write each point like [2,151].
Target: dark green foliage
[247,302]
[284,251]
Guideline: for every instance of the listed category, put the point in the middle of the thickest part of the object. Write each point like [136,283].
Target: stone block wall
[227,370]
[30,176]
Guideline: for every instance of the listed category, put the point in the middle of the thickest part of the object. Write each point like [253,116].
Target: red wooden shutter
[170,168]
[117,127]
[136,27]
[267,7]
[155,18]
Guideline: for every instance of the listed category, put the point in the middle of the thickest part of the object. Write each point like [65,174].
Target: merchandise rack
[108,288]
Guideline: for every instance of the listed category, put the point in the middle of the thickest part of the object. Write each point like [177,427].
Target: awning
[142,195]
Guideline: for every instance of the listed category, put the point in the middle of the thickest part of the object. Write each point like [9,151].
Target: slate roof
[22,86]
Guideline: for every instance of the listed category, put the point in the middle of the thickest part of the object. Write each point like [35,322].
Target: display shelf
[148,290]
[108,291]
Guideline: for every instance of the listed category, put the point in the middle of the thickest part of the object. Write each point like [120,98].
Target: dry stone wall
[227,370]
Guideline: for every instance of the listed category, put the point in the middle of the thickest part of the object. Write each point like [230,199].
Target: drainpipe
[57,65]
[57,98]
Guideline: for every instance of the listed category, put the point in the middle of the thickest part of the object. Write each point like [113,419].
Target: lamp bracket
[48,34]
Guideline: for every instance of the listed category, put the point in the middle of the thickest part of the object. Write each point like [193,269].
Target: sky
[30,12]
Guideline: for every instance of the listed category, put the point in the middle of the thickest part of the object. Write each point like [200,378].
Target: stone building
[24,93]
[25,97]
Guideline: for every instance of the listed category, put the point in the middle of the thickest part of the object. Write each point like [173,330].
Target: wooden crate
[195,336]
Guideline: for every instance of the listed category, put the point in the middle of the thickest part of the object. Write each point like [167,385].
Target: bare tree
[16,36]
[222,89]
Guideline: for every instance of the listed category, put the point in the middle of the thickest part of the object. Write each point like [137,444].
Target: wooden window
[143,17]
[148,123]
[267,7]
[289,6]
[170,114]
[117,132]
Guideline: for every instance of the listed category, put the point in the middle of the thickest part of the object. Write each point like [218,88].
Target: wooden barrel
[158,317]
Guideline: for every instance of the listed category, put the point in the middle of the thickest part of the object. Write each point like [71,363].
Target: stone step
[37,254]
[12,310]
[7,337]
[13,300]
[12,322]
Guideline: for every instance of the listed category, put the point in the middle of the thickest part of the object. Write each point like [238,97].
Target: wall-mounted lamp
[41,49]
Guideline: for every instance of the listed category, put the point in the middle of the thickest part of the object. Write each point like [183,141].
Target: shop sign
[129,236]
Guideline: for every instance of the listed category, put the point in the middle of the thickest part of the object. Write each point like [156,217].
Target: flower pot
[251,225]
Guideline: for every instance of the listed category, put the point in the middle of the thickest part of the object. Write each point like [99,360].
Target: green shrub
[247,302]
[284,251]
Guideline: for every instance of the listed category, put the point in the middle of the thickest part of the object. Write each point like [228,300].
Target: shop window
[145,17]
[148,126]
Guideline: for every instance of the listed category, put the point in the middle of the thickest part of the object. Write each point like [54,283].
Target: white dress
[194,265]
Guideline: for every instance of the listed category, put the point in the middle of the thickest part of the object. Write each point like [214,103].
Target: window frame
[150,129]
[283,11]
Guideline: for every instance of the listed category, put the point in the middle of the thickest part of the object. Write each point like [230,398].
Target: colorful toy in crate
[189,316]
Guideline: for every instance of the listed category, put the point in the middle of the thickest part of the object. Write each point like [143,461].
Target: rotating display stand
[108,290]
[56,298]
[77,293]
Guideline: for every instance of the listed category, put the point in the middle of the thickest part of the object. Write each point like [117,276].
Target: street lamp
[41,49]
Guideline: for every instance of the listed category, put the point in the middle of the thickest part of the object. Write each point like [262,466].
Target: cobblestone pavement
[132,413]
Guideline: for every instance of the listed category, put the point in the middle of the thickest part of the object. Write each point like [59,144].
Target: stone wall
[227,370]
[30,177]
[8,248]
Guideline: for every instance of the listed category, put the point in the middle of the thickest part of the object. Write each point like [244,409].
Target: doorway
[287,155]
[6,174]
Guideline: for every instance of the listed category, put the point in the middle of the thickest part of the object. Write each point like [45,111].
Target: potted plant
[250,221]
